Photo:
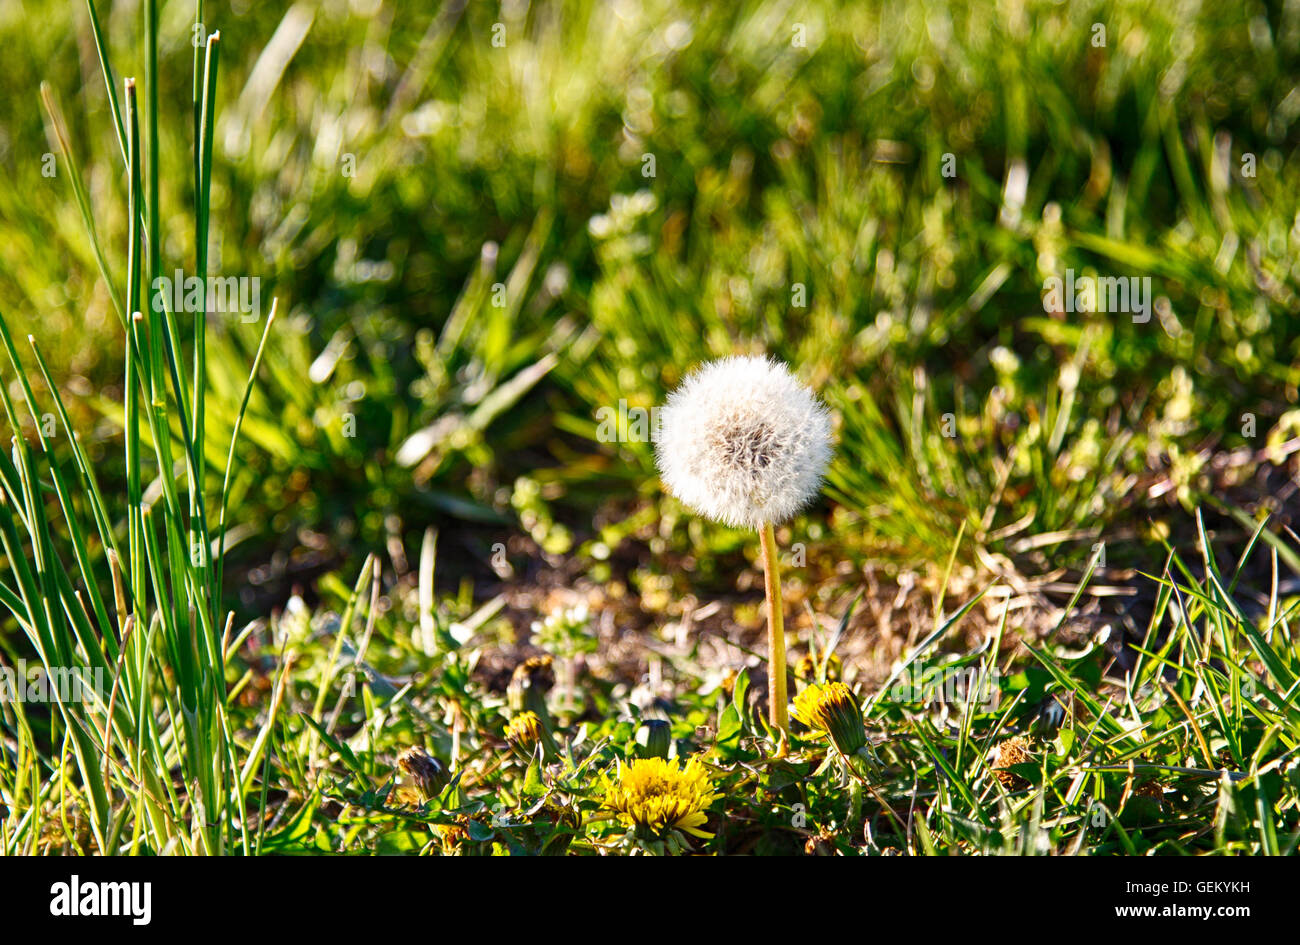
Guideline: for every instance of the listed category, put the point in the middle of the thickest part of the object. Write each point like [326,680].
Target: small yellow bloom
[524,728]
[661,795]
[832,709]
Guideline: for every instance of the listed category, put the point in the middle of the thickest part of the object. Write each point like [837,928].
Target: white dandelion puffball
[743,442]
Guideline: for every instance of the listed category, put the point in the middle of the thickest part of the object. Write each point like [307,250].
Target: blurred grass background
[478,245]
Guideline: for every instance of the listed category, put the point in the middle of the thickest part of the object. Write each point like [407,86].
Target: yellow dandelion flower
[661,795]
[832,709]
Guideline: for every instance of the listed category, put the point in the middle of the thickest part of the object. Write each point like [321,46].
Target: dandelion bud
[423,773]
[525,732]
[832,709]
[529,684]
[805,669]
[654,738]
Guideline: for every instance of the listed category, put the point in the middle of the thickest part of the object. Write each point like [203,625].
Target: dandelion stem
[777,711]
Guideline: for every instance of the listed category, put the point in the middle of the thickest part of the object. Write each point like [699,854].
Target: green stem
[777,710]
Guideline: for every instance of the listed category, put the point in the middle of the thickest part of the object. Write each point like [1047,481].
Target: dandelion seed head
[743,442]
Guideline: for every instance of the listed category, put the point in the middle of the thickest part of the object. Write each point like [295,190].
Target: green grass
[236,521]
